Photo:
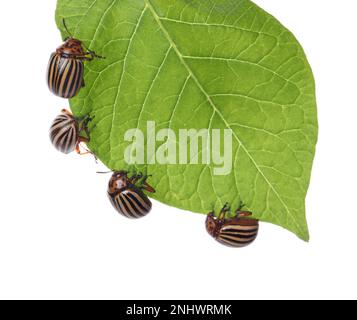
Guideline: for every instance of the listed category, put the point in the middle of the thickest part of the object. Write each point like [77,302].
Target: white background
[60,238]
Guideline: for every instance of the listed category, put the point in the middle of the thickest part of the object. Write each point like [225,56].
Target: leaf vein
[123,71]
[181,57]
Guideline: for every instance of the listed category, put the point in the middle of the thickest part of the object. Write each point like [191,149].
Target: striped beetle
[65,69]
[65,132]
[127,196]
[239,231]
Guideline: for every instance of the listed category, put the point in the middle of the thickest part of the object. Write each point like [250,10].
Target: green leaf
[223,64]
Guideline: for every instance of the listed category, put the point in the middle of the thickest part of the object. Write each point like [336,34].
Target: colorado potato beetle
[237,232]
[65,132]
[65,72]
[127,196]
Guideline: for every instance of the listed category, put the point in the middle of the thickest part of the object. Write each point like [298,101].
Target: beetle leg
[88,56]
[135,178]
[146,186]
[241,214]
[86,130]
[84,127]
[83,139]
[224,210]
[84,57]
[78,149]
[146,177]
[241,206]
[94,55]
[143,184]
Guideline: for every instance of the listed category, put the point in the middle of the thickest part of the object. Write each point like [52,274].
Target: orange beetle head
[118,181]
[71,46]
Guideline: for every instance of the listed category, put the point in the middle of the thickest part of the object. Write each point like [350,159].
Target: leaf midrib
[181,58]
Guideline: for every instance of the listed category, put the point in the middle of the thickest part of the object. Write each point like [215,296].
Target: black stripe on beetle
[237,232]
[65,72]
[127,196]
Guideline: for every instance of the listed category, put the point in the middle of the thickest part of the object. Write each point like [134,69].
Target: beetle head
[119,180]
[71,46]
[211,224]
[73,43]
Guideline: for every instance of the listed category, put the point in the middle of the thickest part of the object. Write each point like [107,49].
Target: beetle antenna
[99,172]
[65,26]
[241,205]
